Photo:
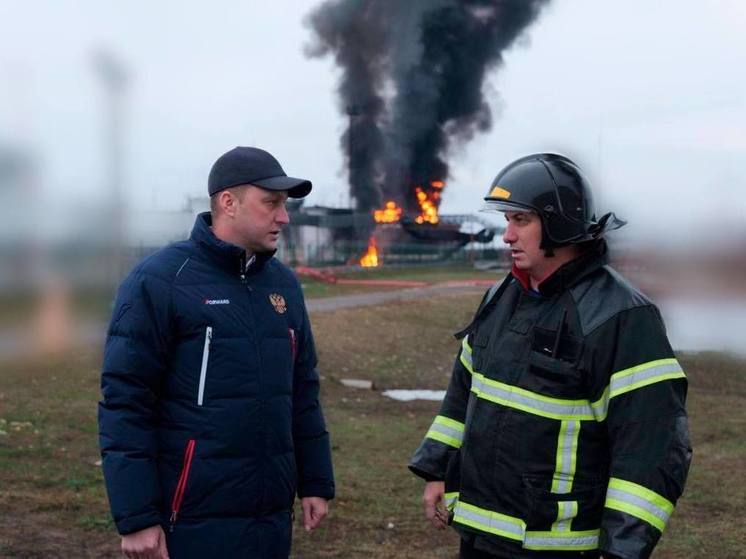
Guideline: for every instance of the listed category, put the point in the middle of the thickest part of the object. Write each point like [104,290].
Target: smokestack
[412,79]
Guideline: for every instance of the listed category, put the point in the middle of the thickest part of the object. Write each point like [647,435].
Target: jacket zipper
[181,485]
[203,369]
[261,428]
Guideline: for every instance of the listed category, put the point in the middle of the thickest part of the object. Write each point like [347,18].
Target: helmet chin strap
[545,244]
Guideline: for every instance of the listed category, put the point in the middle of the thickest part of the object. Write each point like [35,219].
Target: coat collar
[569,273]
[229,256]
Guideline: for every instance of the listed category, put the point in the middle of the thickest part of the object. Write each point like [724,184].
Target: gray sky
[650,97]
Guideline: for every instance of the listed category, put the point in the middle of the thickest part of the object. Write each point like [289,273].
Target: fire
[370,258]
[391,213]
[428,203]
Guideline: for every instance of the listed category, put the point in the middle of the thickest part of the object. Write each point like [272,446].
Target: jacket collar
[569,273]
[229,256]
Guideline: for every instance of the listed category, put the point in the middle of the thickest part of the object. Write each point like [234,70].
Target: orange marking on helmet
[499,192]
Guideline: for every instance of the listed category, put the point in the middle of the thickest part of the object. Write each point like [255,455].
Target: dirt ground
[53,502]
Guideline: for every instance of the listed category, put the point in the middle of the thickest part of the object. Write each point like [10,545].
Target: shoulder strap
[493,294]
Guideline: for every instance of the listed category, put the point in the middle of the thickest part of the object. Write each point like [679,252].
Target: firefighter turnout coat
[563,430]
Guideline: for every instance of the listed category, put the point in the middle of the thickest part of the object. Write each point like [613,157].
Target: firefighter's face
[523,235]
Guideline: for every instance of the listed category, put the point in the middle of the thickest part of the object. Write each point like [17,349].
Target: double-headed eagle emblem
[278,302]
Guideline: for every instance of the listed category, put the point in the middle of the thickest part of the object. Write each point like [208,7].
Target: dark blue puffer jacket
[210,414]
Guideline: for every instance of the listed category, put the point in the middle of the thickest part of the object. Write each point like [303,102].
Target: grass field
[426,274]
[53,503]
[20,309]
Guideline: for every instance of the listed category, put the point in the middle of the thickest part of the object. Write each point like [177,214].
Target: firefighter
[563,432]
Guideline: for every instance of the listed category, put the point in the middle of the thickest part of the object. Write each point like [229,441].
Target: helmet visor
[505,206]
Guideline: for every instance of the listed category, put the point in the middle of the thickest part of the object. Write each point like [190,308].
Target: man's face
[523,235]
[259,217]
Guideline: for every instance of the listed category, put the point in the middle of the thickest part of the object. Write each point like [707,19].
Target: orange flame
[428,205]
[391,213]
[370,258]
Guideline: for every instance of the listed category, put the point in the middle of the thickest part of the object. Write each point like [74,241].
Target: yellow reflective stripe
[445,439]
[620,383]
[638,501]
[566,511]
[636,511]
[567,454]
[514,528]
[448,422]
[644,375]
[636,377]
[601,406]
[450,500]
[530,402]
[520,398]
[562,541]
[465,356]
[489,521]
[447,431]
[641,491]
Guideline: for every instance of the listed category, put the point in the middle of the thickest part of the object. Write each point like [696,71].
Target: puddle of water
[409,395]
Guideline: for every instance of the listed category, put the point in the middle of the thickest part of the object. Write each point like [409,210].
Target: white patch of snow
[409,395]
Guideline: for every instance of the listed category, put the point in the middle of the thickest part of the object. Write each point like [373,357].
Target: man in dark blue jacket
[210,421]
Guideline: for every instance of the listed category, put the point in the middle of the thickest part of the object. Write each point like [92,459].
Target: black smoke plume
[412,84]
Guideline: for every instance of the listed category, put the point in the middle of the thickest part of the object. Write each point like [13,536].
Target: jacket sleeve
[650,452]
[446,433]
[134,364]
[312,450]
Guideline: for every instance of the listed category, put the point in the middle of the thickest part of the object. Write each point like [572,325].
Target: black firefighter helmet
[555,188]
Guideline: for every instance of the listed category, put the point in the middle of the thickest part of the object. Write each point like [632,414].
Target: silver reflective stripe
[566,511]
[562,541]
[466,355]
[446,430]
[203,369]
[450,431]
[555,408]
[450,500]
[639,376]
[637,506]
[636,377]
[489,521]
[522,399]
[567,449]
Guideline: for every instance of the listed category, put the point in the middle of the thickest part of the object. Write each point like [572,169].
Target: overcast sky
[650,97]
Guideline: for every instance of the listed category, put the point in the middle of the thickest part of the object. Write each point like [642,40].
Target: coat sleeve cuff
[431,459]
[133,524]
[325,491]
[626,537]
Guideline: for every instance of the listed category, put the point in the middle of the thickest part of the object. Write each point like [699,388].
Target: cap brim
[296,188]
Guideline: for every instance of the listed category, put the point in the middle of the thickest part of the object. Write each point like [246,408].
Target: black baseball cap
[247,165]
